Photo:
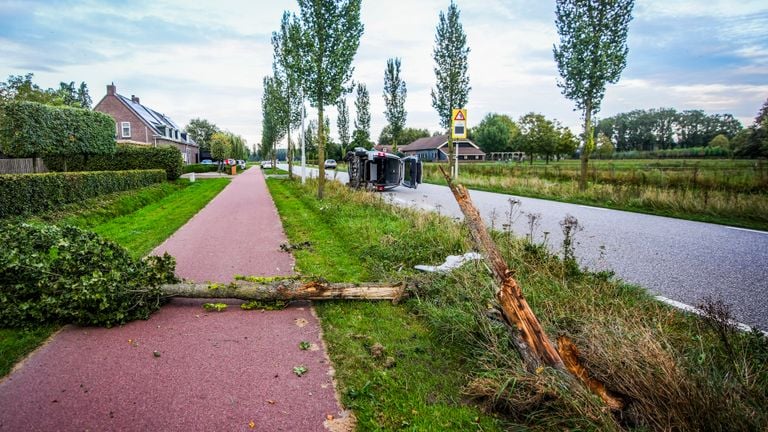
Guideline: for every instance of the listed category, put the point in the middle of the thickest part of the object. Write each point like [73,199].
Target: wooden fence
[21,166]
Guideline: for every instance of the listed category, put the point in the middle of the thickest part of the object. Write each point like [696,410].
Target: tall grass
[677,371]
[698,194]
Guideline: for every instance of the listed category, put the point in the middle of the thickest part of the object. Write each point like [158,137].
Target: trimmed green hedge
[200,168]
[29,129]
[34,193]
[127,157]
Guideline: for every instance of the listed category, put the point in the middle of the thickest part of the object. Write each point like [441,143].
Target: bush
[200,168]
[68,275]
[127,157]
[34,193]
[30,129]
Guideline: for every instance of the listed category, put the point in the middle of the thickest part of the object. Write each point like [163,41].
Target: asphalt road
[681,260]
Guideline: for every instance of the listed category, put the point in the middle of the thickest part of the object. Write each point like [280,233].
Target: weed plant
[677,371]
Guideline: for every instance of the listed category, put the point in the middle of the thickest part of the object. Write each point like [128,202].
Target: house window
[126,127]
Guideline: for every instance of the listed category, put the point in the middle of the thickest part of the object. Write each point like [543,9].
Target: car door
[411,172]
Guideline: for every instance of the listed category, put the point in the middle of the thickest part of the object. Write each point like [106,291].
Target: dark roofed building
[138,124]
[435,148]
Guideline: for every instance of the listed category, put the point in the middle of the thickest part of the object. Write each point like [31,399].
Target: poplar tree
[394,100]
[592,53]
[331,31]
[275,114]
[287,65]
[361,137]
[342,123]
[452,81]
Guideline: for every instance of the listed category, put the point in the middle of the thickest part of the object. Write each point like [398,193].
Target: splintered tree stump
[287,289]
[514,307]
[530,339]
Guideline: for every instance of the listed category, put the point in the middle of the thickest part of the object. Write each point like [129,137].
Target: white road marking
[594,208]
[747,230]
[697,311]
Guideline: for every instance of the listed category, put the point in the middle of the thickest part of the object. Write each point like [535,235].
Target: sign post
[458,131]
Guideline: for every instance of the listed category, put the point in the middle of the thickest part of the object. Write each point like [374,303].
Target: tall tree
[221,146]
[452,82]
[275,114]
[288,64]
[394,100]
[407,135]
[592,53]
[342,123]
[201,130]
[83,97]
[361,137]
[331,31]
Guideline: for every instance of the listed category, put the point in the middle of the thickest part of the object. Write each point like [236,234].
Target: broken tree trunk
[287,289]
[515,308]
[532,342]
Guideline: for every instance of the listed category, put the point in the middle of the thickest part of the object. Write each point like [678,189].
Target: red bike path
[184,368]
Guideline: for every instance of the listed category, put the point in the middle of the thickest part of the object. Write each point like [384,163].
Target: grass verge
[677,372]
[727,192]
[139,220]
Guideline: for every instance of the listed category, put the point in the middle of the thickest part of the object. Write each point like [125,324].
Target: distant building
[138,124]
[435,148]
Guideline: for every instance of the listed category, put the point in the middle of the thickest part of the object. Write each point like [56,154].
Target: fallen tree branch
[287,289]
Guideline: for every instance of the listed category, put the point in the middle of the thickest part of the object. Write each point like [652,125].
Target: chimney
[111,89]
[135,99]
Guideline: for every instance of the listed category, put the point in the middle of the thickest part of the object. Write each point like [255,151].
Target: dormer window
[126,129]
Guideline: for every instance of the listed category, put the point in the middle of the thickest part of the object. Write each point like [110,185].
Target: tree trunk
[287,289]
[515,308]
[290,147]
[587,149]
[320,150]
[532,342]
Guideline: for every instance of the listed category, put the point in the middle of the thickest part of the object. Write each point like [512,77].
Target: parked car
[380,171]
[330,164]
[241,163]
[267,164]
[206,162]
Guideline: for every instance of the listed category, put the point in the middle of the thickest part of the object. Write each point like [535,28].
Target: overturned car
[380,171]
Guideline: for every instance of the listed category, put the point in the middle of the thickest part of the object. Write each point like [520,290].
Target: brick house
[138,124]
[435,148]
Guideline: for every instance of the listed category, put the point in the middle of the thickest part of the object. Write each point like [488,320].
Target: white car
[267,164]
[330,164]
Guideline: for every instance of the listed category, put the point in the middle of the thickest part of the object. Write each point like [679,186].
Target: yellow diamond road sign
[459,123]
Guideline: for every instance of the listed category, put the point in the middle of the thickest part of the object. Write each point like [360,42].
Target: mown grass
[677,372]
[359,242]
[138,220]
[725,192]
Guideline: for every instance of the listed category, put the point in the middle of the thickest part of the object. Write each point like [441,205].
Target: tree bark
[320,150]
[287,289]
[515,308]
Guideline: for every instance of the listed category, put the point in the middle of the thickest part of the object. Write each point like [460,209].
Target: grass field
[138,220]
[679,372]
[730,192]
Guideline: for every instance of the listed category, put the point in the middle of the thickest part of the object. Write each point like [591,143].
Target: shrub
[30,129]
[68,275]
[35,193]
[127,157]
[200,168]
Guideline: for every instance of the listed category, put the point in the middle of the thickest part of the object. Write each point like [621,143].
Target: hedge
[34,193]
[678,153]
[29,129]
[127,157]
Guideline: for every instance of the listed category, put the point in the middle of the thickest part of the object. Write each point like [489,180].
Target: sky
[206,59]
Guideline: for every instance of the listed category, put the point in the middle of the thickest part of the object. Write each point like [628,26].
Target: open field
[730,192]
[679,372]
[138,220]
